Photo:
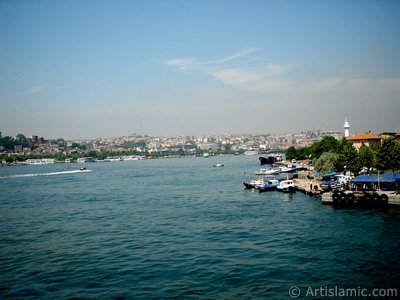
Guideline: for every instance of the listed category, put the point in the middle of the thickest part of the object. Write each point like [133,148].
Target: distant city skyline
[87,69]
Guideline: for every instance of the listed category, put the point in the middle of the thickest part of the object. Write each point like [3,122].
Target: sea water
[180,228]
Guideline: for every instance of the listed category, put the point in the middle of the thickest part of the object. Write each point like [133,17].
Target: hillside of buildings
[328,150]
[20,148]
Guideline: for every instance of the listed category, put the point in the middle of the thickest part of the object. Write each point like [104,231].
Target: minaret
[346,127]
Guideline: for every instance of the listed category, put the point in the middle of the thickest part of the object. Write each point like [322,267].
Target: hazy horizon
[87,69]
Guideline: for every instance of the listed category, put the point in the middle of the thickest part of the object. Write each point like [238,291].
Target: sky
[98,68]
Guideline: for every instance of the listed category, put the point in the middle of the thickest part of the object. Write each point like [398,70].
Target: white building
[346,127]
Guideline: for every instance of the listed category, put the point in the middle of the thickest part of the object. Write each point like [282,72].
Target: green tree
[228,148]
[327,144]
[291,153]
[92,154]
[388,156]
[60,156]
[326,162]
[366,156]
[20,137]
[22,140]
[347,158]
[61,142]
[7,142]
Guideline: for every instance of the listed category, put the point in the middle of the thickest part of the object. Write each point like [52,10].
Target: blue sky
[98,68]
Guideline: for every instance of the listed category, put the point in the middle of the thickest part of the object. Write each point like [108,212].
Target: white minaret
[346,127]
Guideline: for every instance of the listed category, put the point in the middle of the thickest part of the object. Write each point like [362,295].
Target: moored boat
[267,160]
[267,172]
[250,152]
[254,183]
[286,186]
[286,170]
[271,185]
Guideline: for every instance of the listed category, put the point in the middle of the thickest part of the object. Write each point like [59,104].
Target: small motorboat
[286,186]
[286,170]
[84,169]
[254,183]
[267,172]
[269,186]
[218,165]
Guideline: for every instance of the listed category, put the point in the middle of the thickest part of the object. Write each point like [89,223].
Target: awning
[383,178]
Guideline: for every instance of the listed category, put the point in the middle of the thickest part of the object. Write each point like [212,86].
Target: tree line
[330,154]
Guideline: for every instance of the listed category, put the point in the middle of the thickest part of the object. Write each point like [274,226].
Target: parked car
[329,181]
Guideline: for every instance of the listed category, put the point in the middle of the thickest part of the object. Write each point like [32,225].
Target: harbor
[312,187]
[332,188]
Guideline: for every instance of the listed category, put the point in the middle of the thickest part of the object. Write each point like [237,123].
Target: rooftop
[364,136]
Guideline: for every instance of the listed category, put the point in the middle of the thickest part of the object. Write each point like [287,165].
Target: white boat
[250,152]
[85,159]
[286,186]
[218,165]
[254,183]
[286,169]
[132,157]
[113,158]
[40,161]
[267,172]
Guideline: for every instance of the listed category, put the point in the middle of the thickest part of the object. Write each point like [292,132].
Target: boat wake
[45,174]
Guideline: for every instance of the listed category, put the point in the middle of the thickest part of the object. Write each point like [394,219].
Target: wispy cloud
[278,68]
[35,89]
[188,63]
[362,84]
[235,76]
[277,78]
[254,78]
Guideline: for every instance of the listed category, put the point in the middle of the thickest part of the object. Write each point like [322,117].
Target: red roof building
[367,139]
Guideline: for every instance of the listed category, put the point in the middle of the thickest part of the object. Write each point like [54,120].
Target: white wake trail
[45,174]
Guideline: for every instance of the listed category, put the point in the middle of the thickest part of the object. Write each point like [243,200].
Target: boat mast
[379,185]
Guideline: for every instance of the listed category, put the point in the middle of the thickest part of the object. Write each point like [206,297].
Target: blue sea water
[179,228]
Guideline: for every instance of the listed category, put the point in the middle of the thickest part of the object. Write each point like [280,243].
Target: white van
[342,179]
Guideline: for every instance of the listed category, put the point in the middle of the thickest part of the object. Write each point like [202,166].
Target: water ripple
[180,229]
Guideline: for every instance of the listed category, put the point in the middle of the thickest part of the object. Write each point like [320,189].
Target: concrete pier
[361,198]
[312,187]
[308,186]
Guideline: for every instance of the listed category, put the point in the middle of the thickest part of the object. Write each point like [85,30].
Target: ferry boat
[273,158]
[250,152]
[40,161]
[267,160]
[85,159]
[113,158]
[132,157]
